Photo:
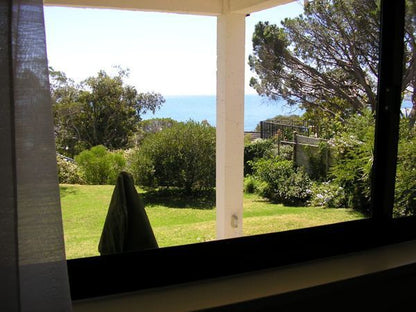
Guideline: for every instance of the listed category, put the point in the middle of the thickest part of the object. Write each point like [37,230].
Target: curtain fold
[33,275]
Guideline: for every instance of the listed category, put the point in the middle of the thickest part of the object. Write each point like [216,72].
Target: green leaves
[330,52]
[354,159]
[102,110]
[99,166]
[182,155]
[281,182]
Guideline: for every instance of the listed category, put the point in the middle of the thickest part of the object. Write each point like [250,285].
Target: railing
[285,131]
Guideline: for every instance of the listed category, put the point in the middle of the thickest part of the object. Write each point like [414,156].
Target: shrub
[68,172]
[181,156]
[151,126]
[354,159]
[255,150]
[285,152]
[405,191]
[282,183]
[141,168]
[250,184]
[317,160]
[100,166]
[327,194]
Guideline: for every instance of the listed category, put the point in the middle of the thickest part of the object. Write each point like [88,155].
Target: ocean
[203,107]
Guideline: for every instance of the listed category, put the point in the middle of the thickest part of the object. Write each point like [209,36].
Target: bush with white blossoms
[327,194]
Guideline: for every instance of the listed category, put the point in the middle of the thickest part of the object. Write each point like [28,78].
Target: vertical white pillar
[230,124]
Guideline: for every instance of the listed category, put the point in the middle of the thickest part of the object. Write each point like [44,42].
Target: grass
[177,220]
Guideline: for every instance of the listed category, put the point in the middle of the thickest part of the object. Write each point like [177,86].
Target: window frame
[120,273]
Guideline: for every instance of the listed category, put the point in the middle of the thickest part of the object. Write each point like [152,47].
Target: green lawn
[178,221]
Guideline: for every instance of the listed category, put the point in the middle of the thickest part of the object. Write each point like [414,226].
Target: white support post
[230,124]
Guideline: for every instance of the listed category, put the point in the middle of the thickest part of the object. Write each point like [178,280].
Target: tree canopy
[101,110]
[327,58]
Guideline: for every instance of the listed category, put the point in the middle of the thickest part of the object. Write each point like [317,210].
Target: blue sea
[203,107]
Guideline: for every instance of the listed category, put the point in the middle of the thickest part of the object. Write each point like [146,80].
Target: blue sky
[174,54]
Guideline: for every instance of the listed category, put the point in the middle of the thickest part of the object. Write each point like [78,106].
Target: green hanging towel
[126,226]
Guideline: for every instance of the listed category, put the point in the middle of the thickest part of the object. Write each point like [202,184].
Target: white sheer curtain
[33,275]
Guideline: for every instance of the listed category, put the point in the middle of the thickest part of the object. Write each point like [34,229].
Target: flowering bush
[68,172]
[327,194]
[282,183]
[354,160]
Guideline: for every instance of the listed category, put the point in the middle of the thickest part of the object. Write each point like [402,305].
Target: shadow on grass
[175,198]
[67,190]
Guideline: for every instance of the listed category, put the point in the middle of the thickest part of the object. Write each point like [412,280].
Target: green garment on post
[126,227]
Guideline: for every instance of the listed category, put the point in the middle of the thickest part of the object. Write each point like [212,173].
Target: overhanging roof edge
[196,7]
[250,6]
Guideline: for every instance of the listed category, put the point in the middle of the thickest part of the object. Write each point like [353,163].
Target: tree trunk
[412,115]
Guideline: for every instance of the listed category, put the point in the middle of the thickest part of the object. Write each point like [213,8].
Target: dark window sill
[115,274]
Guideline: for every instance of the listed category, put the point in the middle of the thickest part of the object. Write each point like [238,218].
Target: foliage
[248,138]
[250,184]
[282,182]
[292,120]
[68,171]
[405,191]
[409,74]
[327,194]
[64,95]
[310,58]
[285,151]
[282,128]
[100,166]
[327,58]
[260,148]
[354,159]
[140,165]
[318,158]
[181,156]
[323,124]
[102,110]
[151,126]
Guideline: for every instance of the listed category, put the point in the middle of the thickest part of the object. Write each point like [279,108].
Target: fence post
[279,139]
[295,146]
[327,154]
[262,129]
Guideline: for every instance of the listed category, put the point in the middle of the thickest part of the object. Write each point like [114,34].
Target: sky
[173,54]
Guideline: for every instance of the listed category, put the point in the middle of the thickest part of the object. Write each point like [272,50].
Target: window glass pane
[405,188]
[310,97]
[319,72]
[119,78]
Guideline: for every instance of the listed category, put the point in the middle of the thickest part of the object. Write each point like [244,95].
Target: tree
[66,109]
[102,110]
[409,77]
[326,58]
